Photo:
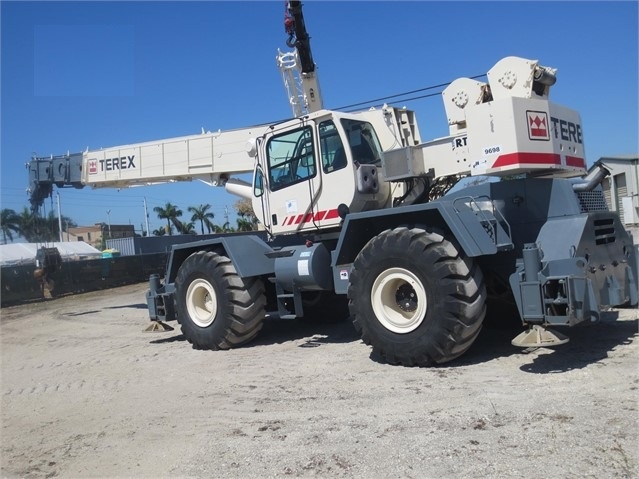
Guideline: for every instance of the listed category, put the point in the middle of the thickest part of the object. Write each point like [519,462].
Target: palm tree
[159,232]
[187,228]
[170,213]
[201,214]
[10,223]
[51,226]
[244,225]
[246,221]
[35,228]
[27,224]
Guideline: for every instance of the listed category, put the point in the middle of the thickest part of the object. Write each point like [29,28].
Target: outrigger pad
[158,326]
[539,337]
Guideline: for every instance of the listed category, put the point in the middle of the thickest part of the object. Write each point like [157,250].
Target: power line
[397,95]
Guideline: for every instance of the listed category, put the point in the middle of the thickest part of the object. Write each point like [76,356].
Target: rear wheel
[416,298]
[216,308]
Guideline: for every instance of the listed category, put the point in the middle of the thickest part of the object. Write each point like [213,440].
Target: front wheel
[416,298]
[215,307]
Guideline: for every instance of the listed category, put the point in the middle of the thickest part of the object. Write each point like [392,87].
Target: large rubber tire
[416,298]
[216,308]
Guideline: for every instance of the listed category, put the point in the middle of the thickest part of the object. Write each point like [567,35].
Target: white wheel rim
[399,300]
[201,302]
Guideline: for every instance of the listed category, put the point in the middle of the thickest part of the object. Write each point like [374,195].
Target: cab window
[332,148]
[291,158]
[363,141]
[258,183]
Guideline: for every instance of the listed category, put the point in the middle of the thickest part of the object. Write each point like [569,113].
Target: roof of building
[620,158]
[84,228]
[17,253]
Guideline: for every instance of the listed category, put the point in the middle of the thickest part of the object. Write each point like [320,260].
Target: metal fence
[18,284]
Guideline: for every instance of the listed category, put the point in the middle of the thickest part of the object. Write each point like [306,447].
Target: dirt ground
[87,393]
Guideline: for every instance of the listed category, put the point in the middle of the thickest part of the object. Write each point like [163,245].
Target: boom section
[297,66]
[212,157]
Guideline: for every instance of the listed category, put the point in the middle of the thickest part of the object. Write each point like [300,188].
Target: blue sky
[100,74]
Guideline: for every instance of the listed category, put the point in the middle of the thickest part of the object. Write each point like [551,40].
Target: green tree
[10,223]
[36,228]
[244,225]
[49,229]
[170,213]
[159,232]
[246,221]
[187,228]
[203,215]
[27,222]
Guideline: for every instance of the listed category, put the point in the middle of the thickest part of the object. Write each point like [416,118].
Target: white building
[621,189]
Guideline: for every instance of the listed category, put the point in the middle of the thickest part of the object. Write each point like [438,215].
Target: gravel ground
[87,393]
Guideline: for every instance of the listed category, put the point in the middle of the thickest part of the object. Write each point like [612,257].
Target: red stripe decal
[309,217]
[528,158]
[575,161]
[319,215]
[330,214]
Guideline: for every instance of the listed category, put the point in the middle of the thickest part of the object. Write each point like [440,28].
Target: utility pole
[59,218]
[109,222]
[146,218]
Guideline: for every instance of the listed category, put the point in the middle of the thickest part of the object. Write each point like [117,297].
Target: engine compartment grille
[592,200]
[604,231]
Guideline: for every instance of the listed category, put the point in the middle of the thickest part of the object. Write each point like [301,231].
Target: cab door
[292,179]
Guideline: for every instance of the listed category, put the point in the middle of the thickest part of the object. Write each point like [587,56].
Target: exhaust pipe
[596,177]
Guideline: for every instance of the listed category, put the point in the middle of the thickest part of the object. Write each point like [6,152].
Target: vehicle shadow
[170,339]
[135,306]
[588,344]
[278,331]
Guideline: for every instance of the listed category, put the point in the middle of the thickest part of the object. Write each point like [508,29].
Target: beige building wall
[93,234]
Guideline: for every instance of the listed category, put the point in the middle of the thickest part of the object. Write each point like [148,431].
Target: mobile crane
[356,206]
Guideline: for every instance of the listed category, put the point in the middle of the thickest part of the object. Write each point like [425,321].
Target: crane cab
[310,170]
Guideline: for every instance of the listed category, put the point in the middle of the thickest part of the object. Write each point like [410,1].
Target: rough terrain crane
[355,206]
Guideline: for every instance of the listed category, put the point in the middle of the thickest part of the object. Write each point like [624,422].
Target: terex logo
[110,164]
[567,130]
[539,128]
[538,125]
